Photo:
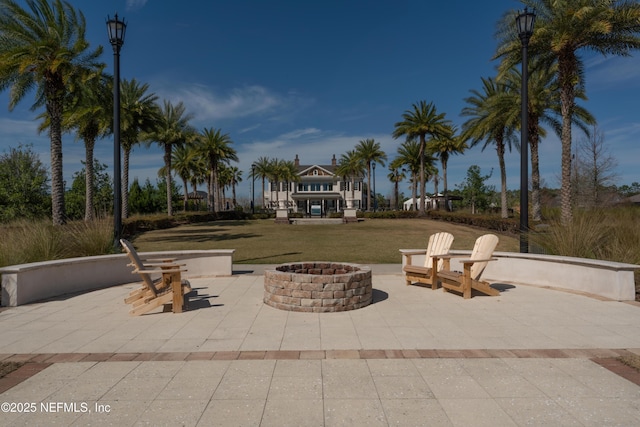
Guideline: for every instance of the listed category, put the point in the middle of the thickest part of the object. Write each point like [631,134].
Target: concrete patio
[531,356]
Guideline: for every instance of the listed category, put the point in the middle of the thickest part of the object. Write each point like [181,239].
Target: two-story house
[319,191]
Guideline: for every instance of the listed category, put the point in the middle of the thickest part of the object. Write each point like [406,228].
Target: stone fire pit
[318,287]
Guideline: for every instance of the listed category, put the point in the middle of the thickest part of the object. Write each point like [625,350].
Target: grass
[374,241]
[32,241]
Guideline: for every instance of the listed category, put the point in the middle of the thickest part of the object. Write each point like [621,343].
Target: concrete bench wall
[608,279]
[25,283]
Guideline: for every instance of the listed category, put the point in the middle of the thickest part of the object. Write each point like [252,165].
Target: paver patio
[415,356]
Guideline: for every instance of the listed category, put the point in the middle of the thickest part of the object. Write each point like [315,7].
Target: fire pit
[318,287]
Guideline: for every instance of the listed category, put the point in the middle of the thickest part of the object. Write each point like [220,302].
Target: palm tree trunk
[504,213]
[444,182]
[422,180]
[414,192]
[210,189]
[54,110]
[369,186]
[233,192]
[536,208]
[186,195]
[167,164]
[566,71]
[88,180]
[125,181]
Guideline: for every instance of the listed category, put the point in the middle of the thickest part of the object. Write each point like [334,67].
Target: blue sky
[315,77]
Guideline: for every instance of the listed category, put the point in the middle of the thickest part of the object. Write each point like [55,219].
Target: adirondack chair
[168,290]
[463,282]
[439,244]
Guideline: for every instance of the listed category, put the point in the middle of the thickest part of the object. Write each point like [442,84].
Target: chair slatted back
[439,244]
[483,249]
[138,264]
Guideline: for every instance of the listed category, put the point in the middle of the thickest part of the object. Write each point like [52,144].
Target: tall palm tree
[544,108]
[370,152]
[489,122]
[183,160]
[275,174]
[289,174]
[235,176]
[43,46]
[409,155]
[423,120]
[260,170]
[84,114]
[215,146]
[139,114]
[352,166]
[443,147]
[88,118]
[172,130]
[563,29]
[396,174]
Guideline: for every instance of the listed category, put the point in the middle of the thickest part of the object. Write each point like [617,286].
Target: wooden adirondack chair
[463,282]
[168,290]
[439,244]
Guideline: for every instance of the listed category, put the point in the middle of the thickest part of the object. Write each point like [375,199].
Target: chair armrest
[145,271]
[408,254]
[472,261]
[159,264]
[154,260]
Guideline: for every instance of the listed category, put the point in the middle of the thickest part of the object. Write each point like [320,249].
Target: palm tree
[44,47]
[423,120]
[260,170]
[172,130]
[289,174]
[396,175]
[235,176]
[83,113]
[352,166]
[88,118]
[544,108]
[563,29]
[370,152]
[443,148]
[214,146]
[183,160]
[409,155]
[489,122]
[139,114]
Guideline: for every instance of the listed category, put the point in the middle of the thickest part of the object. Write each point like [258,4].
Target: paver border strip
[37,362]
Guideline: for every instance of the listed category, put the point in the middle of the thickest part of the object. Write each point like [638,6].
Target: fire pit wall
[318,287]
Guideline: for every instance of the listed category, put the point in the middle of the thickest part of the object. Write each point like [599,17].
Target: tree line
[43,49]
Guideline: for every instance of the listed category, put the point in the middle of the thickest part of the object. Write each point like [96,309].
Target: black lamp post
[524,24]
[253,188]
[375,201]
[116,29]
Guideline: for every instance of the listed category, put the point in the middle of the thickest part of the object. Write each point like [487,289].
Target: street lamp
[375,201]
[116,29]
[524,24]
[253,188]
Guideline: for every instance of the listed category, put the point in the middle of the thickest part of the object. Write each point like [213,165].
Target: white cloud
[135,4]
[240,102]
[606,71]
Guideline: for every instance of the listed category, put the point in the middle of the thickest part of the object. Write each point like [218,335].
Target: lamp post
[524,24]
[116,29]
[253,188]
[375,201]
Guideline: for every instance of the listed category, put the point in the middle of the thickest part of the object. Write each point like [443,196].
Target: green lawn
[373,241]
